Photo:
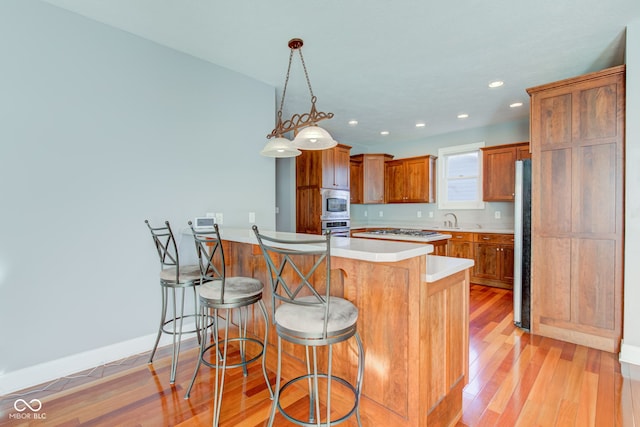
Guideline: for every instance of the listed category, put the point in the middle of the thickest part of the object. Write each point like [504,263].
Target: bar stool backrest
[298,271]
[210,256]
[167,248]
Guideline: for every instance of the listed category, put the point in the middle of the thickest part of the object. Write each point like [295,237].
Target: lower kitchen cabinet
[460,245]
[494,264]
[492,254]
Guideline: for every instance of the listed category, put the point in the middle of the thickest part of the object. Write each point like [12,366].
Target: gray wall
[631,336]
[100,130]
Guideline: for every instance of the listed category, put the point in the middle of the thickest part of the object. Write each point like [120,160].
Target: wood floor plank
[515,379]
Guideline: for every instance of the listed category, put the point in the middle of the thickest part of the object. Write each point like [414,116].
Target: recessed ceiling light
[384,132]
[463,116]
[420,125]
[516,104]
[496,83]
[353,122]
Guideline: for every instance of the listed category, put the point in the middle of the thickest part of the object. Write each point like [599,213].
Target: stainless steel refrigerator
[522,246]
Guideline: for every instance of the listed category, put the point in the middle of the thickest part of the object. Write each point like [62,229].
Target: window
[460,177]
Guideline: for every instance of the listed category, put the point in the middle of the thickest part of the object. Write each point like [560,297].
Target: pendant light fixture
[308,135]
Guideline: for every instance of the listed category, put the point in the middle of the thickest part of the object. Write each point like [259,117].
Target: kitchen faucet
[448,223]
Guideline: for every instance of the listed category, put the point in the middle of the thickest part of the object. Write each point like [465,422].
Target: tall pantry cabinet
[577,140]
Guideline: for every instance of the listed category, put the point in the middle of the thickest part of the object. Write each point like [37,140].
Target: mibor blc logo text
[27,410]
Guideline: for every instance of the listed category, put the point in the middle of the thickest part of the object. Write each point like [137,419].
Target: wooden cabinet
[411,180]
[493,256]
[316,169]
[324,168]
[498,170]
[439,247]
[367,178]
[577,139]
[460,245]
[335,167]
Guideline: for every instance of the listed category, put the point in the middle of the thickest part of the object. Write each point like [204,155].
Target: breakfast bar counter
[413,318]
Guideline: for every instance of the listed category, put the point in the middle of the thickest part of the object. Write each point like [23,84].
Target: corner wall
[99,131]
[630,351]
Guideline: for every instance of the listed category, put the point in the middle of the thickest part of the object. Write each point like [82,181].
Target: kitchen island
[413,320]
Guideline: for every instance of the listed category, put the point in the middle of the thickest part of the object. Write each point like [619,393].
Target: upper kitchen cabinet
[367,178]
[577,137]
[411,180]
[498,170]
[324,168]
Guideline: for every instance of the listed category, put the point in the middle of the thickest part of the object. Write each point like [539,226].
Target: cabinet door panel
[506,267]
[417,178]
[592,280]
[394,181]
[553,282]
[486,261]
[598,112]
[554,191]
[595,199]
[374,179]
[555,120]
[499,166]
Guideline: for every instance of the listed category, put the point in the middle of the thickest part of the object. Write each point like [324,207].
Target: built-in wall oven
[335,212]
[337,227]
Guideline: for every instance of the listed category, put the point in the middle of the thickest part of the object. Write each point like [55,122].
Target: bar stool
[173,276]
[308,316]
[219,292]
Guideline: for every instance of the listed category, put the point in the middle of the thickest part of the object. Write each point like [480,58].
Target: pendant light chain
[306,74]
[286,82]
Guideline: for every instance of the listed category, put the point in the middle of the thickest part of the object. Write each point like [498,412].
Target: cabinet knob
[485,238]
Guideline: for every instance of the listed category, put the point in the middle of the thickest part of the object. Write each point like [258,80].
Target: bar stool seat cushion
[235,288]
[188,273]
[310,319]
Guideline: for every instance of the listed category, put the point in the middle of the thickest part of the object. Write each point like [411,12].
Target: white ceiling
[389,64]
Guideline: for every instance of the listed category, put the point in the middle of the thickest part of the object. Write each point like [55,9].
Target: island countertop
[345,247]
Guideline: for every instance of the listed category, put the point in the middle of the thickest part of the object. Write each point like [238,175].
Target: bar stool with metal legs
[173,277]
[219,292]
[308,315]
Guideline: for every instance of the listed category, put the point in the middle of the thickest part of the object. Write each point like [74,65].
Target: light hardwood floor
[515,379]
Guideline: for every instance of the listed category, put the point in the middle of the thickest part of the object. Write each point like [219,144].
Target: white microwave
[335,204]
[203,223]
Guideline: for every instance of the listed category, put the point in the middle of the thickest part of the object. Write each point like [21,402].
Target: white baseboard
[54,369]
[629,354]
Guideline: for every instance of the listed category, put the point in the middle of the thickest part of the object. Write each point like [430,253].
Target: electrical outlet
[380,214]
[366,213]
[430,214]
[252,217]
[219,218]
[497,214]
[419,214]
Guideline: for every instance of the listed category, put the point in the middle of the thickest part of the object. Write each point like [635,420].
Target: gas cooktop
[403,232]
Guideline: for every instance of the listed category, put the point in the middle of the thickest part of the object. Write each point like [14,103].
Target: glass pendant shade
[314,138]
[280,147]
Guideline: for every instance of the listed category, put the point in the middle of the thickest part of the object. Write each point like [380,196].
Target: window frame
[443,154]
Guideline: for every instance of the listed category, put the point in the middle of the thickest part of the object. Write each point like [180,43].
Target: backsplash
[417,215]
